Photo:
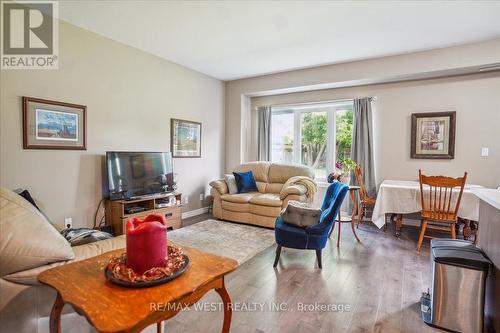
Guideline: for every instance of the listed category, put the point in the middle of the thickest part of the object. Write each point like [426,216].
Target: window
[282,137]
[316,135]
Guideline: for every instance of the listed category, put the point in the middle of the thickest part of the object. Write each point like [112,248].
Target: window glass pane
[314,127]
[282,137]
[343,137]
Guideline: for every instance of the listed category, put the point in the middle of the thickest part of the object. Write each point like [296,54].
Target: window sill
[322,184]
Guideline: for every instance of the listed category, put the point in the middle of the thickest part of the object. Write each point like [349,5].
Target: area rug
[237,241]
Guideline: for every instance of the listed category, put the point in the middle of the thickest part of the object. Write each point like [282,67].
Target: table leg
[331,230]
[398,222]
[226,300]
[158,327]
[55,315]
[354,213]
[338,237]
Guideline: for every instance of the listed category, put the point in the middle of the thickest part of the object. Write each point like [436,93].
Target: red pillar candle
[146,243]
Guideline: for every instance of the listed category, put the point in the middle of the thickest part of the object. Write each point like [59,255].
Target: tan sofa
[29,245]
[260,208]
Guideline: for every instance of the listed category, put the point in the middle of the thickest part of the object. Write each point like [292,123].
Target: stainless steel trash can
[456,300]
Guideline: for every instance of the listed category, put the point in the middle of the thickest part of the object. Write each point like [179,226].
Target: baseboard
[195,212]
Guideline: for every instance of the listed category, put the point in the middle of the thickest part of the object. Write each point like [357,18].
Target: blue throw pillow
[245,182]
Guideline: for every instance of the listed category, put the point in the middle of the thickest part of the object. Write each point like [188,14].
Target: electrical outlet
[202,196]
[485,151]
[68,222]
[186,200]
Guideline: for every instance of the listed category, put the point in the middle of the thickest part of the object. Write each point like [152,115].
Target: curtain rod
[372,98]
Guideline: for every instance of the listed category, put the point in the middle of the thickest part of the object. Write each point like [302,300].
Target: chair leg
[421,235]
[278,253]
[318,257]
[453,231]
[360,214]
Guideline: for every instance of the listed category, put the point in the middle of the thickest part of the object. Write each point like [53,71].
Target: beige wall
[475,98]
[130,97]
[433,63]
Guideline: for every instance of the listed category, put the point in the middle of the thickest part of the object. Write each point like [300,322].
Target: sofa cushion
[239,198]
[280,173]
[245,182]
[268,199]
[261,186]
[27,240]
[274,187]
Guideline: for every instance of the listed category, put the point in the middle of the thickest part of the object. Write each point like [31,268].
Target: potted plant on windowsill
[344,168]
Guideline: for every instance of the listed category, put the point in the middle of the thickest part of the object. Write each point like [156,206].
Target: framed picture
[53,125]
[433,135]
[185,138]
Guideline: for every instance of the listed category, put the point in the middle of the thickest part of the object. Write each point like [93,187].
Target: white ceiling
[236,39]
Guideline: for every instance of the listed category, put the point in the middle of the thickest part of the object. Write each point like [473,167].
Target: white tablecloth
[403,197]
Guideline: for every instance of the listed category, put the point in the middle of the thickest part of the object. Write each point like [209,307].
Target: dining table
[399,197]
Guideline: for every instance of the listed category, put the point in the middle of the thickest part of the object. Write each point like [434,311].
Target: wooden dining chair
[440,199]
[364,199]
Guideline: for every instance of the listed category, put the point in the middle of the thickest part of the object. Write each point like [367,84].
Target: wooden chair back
[363,193]
[444,195]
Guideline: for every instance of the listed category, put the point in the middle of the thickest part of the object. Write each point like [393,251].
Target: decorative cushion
[27,240]
[231,183]
[300,214]
[245,182]
[80,236]
[81,252]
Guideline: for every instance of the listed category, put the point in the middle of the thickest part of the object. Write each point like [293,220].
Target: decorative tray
[118,273]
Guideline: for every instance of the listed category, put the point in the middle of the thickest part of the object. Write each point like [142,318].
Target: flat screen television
[133,175]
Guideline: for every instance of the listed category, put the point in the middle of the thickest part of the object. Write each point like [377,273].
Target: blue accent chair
[315,236]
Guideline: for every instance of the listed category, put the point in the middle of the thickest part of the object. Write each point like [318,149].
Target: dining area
[441,207]
[445,200]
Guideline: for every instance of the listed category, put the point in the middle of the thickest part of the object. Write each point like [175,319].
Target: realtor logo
[30,35]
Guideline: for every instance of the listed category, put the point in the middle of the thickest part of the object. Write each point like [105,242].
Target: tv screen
[135,174]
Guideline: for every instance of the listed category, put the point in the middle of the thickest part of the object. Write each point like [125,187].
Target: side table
[352,194]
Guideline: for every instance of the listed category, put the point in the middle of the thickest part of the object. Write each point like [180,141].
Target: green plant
[348,165]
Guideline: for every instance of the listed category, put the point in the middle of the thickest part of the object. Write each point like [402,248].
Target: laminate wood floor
[378,282]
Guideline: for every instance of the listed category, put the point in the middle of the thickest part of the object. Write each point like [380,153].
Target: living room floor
[380,279]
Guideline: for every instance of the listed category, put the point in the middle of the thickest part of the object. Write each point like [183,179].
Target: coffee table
[111,308]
